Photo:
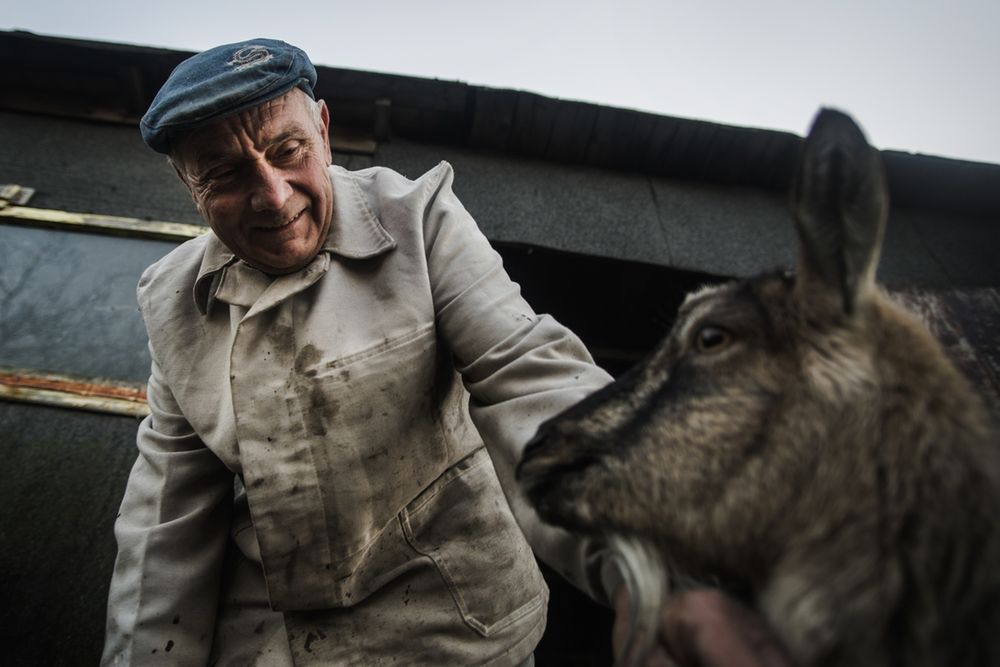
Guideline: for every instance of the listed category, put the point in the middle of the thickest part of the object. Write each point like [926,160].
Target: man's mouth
[282,225]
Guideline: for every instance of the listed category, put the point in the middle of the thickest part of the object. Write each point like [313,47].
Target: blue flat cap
[222,81]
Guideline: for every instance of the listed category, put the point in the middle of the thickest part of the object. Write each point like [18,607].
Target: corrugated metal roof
[116,82]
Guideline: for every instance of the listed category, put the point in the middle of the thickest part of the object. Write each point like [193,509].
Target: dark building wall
[61,482]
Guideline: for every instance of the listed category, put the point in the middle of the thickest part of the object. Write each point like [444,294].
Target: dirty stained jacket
[350,402]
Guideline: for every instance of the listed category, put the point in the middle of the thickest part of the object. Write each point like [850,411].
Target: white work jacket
[350,401]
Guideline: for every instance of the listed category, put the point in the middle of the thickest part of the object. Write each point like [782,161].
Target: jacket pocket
[463,524]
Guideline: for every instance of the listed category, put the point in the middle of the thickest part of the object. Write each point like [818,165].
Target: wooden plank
[100,224]
[63,391]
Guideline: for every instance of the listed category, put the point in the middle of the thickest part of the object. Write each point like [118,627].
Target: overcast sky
[920,75]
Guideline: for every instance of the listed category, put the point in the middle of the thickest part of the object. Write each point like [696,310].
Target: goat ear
[840,204]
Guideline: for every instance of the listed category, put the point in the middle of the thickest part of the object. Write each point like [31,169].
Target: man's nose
[270,189]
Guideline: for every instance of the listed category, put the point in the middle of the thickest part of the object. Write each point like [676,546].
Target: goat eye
[711,339]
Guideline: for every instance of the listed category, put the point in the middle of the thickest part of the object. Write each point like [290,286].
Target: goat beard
[647,578]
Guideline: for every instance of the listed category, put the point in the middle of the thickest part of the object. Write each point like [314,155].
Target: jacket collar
[355,233]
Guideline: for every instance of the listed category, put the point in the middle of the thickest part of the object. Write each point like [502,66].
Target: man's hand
[703,628]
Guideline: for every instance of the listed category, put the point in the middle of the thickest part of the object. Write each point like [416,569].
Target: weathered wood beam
[99,224]
[64,391]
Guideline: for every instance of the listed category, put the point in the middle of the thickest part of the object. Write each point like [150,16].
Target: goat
[803,442]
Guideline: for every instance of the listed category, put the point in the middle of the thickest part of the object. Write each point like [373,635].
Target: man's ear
[181,174]
[324,116]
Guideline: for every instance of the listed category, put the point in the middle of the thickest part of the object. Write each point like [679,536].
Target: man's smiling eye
[220,174]
[287,151]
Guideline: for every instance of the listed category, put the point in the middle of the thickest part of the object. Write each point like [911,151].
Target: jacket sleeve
[520,368]
[172,532]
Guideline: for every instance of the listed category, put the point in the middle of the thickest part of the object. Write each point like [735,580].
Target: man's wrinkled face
[259,179]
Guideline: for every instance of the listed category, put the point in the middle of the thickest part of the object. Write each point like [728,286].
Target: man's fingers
[705,628]
[657,655]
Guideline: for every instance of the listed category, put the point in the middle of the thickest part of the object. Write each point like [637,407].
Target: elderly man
[343,377]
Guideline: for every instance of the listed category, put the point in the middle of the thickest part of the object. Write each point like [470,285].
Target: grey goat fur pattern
[803,441]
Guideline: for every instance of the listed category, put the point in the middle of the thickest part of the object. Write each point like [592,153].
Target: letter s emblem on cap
[248,56]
